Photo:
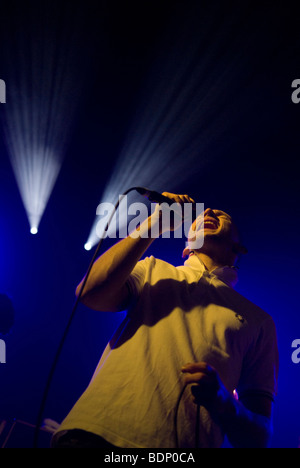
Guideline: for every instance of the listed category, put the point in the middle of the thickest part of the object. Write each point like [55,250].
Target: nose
[210,212]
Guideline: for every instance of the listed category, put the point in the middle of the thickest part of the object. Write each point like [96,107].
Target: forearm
[246,423]
[111,270]
[243,428]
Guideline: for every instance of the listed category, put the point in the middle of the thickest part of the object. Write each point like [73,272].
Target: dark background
[250,57]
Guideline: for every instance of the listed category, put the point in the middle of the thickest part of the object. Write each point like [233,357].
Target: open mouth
[210,223]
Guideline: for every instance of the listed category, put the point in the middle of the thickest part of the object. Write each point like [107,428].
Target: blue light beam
[44,81]
[189,102]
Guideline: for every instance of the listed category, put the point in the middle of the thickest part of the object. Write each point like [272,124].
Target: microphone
[154,196]
[157,197]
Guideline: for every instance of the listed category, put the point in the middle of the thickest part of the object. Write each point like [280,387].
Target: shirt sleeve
[137,277]
[260,366]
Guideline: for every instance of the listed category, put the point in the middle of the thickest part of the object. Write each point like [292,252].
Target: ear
[185,252]
[239,249]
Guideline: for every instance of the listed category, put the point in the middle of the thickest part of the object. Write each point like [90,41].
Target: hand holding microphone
[175,206]
[164,197]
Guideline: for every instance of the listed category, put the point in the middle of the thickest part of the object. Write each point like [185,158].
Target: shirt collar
[227,274]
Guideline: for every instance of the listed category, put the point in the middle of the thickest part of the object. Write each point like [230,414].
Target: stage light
[36,172]
[88,246]
[179,119]
[44,86]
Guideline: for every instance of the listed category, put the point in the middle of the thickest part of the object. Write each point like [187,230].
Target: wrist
[225,409]
[148,229]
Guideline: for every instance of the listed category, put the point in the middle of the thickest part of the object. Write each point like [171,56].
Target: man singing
[188,341]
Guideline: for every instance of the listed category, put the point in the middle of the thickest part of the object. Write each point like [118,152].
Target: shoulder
[253,313]
[157,265]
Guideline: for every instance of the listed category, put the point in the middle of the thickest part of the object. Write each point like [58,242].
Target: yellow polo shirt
[178,315]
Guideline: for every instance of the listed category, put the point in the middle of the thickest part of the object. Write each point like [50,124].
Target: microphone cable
[66,331]
[197,424]
[152,196]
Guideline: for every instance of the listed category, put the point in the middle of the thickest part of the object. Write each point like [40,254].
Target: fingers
[199,372]
[176,215]
[179,198]
[198,378]
[193,367]
[206,379]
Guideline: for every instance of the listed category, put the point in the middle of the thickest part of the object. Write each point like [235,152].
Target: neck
[209,262]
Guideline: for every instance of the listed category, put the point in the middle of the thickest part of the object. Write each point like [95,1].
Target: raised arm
[106,287]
